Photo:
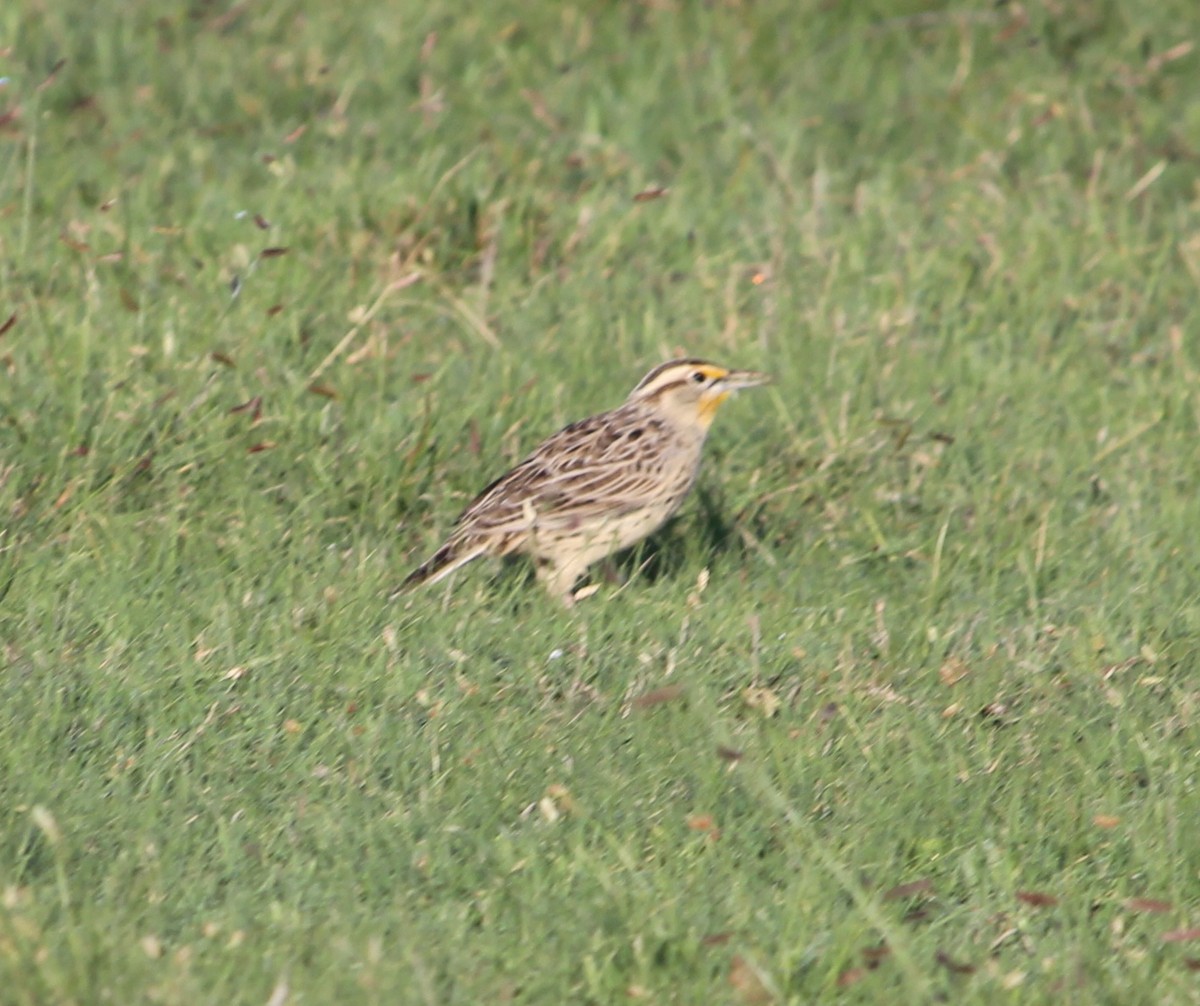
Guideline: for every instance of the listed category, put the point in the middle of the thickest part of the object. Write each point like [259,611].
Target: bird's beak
[736,380]
[724,387]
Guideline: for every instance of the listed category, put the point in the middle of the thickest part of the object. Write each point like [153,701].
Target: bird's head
[690,391]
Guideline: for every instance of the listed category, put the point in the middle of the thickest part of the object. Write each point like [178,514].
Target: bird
[597,486]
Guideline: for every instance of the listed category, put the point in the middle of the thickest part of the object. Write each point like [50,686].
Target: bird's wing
[607,464]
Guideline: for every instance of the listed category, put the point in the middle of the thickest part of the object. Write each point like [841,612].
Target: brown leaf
[261,222]
[73,244]
[728,754]
[1192,963]
[253,406]
[1037,899]
[653,192]
[272,252]
[541,111]
[953,966]
[258,448]
[562,798]
[49,79]
[12,320]
[1181,935]
[874,956]
[223,358]
[295,134]
[273,310]
[716,939]
[761,698]
[1148,905]
[657,696]
[952,671]
[1159,60]
[747,982]
[850,977]
[324,390]
[1106,821]
[1016,24]
[908,890]
[701,822]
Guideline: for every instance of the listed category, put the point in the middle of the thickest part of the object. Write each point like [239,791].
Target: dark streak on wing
[592,465]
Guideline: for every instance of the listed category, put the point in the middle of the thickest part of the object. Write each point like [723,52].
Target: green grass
[932,618]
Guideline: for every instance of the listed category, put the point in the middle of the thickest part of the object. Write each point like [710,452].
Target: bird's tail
[456,552]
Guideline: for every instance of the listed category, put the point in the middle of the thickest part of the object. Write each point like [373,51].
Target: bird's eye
[698,377]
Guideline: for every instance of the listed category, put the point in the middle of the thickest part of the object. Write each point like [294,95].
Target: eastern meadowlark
[598,485]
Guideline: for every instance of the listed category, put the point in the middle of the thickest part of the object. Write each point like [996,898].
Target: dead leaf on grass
[761,698]
[924,886]
[704,823]
[1148,905]
[253,406]
[952,671]
[748,982]
[885,693]
[953,966]
[851,976]
[874,956]
[657,696]
[557,802]
[716,939]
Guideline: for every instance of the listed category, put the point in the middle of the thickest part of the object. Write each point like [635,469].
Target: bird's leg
[560,578]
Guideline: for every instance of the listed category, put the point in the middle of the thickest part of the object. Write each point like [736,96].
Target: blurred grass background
[902,707]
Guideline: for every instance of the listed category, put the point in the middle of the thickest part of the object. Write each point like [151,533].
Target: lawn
[903,707]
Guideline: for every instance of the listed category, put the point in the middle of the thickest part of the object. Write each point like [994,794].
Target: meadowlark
[598,485]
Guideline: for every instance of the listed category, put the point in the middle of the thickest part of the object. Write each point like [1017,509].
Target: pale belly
[587,544]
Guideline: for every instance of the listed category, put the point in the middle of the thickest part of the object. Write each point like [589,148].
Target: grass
[903,707]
